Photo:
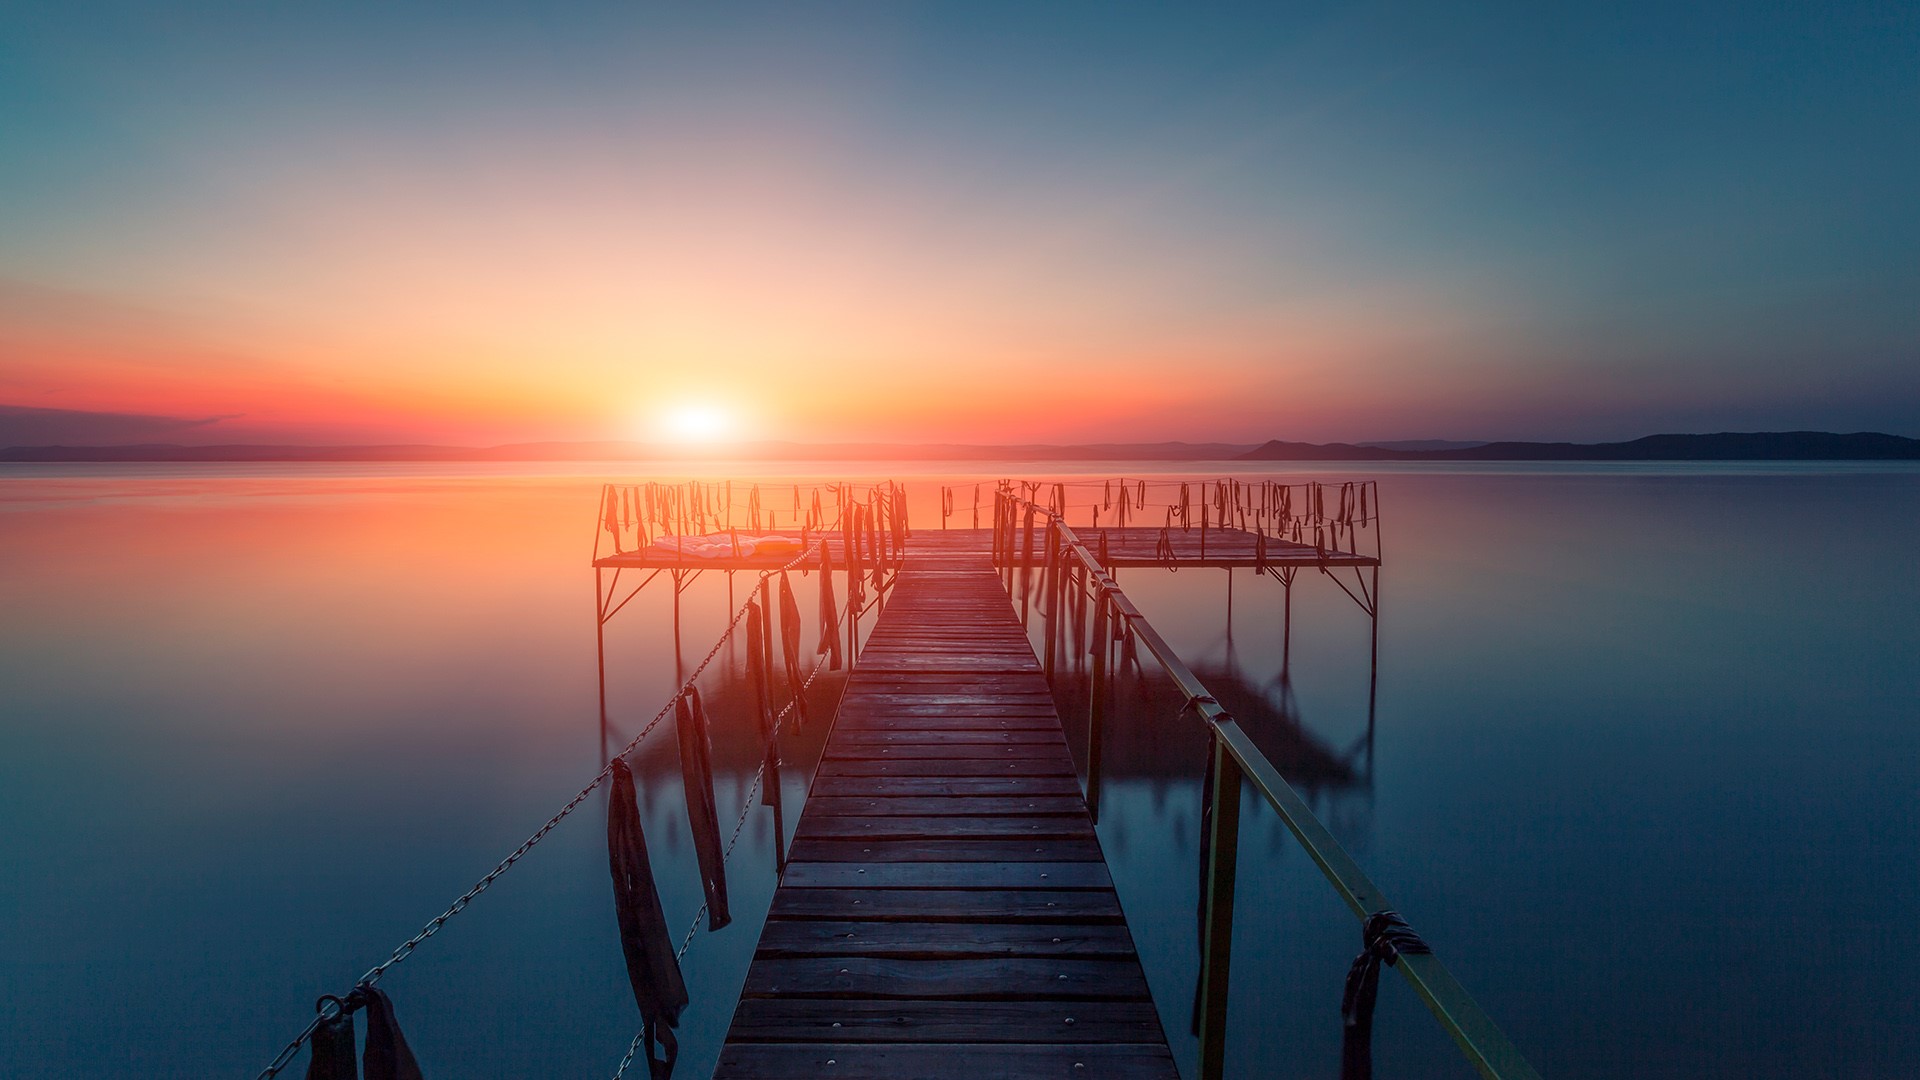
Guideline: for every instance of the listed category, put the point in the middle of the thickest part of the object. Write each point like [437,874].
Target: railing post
[1026,571]
[1097,702]
[1057,600]
[1005,505]
[1223,853]
[1050,597]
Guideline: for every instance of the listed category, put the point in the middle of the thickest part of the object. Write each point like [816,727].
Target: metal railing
[1063,563]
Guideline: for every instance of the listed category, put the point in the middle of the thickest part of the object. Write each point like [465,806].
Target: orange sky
[927,227]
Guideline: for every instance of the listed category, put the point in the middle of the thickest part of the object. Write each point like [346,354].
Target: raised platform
[1131,546]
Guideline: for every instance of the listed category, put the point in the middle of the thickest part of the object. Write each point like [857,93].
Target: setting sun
[696,423]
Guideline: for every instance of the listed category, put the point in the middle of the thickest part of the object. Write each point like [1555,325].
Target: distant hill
[1724,446]
[1426,444]
[633,451]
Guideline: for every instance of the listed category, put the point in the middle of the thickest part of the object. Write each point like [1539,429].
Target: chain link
[746,809]
[407,947]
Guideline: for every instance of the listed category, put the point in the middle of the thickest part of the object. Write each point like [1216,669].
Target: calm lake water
[1645,771]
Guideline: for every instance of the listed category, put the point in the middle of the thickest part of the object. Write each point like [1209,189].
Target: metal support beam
[1097,701]
[1216,953]
[600,655]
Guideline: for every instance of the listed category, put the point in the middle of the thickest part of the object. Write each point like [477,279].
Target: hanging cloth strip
[759,656]
[696,772]
[790,651]
[331,1049]
[611,519]
[652,969]
[1385,936]
[387,1056]
[829,612]
[850,551]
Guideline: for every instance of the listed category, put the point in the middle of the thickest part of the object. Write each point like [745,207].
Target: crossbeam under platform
[1130,546]
[946,909]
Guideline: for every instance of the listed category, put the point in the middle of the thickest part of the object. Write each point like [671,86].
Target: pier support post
[1026,571]
[1373,669]
[1050,599]
[600,654]
[1216,950]
[1097,701]
[679,666]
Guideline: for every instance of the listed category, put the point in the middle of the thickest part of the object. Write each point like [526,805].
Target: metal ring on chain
[406,948]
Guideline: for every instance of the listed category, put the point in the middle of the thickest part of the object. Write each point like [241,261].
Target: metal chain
[746,809]
[433,926]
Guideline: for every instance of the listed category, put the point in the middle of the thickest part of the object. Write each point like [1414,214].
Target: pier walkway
[946,909]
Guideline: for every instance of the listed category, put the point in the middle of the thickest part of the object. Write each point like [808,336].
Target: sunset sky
[964,222]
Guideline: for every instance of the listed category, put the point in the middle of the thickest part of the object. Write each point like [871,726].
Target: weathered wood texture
[941,549]
[946,910]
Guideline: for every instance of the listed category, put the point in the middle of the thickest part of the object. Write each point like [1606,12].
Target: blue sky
[483,222]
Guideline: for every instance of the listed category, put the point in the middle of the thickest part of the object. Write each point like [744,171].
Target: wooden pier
[1129,546]
[946,910]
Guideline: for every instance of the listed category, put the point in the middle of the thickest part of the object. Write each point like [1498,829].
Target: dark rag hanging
[790,651]
[1385,936]
[758,659]
[387,1056]
[696,772]
[330,1050]
[652,969]
[829,612]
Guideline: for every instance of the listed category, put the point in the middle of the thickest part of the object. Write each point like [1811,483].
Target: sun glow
[696,422]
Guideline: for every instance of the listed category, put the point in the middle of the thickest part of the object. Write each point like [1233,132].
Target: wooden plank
[945,849]
[972,750]
[1014,978]
[853,740]
[909,711]
[964,721]
[934,940]
[858,1021]
[946,875]
[951,719]
[955,697]
[1056,764]
[973,805]
[935,1061]
[950,826]
[946,785]
[1054,905]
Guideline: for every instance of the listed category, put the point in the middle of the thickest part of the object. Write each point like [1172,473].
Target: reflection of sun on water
[696,423]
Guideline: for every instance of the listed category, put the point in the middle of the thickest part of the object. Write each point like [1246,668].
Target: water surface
[1644,767]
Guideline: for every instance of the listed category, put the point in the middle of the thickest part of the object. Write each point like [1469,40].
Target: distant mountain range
[635,451]
[1725,446]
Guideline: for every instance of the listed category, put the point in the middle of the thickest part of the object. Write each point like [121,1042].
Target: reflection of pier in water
[1166,759]
[944,904]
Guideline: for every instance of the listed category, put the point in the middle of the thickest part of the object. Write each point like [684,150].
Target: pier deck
[1130,546]
[946,910]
